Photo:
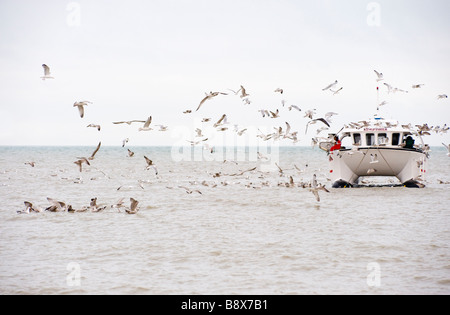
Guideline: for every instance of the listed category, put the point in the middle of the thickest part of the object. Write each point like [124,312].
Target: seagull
[56,206]
[128,122]
[316,187]
[329,115]
[240,133]
[221,121]
[95,151]
[276,114]
[264,112]
[332,85]
[442,96]
[80,106]
[199,133]
[279,90]
[147,125]
[316,120]
[310,113]
[32,164]
[447,147]
[119,204]
[189,191]
[243,92]
[379,76]
[208,97]
[162,127]
[80,163]
[336,91]
[373,159]
[188,111]
[125,141]
[294,106]
[46,73]
[94,126]
[29,208]
[130,153]
[133,207]
[150,165]
[417,86]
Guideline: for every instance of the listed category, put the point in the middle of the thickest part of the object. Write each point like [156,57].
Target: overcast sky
[134,59]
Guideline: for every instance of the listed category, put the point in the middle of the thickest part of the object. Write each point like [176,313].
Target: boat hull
[347,166]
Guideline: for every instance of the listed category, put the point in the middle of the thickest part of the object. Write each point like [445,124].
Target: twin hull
[346,166]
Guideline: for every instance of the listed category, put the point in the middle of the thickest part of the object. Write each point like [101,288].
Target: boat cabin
[380,136]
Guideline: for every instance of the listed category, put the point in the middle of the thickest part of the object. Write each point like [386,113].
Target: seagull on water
[133,206]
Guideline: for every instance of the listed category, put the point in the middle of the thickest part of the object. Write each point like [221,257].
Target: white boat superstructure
[377,147]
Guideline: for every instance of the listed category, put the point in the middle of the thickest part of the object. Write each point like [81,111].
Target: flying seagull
[314,121]
[447,147]
[147,125]
[80,106]
[95,151]
[379,76]
[332,85]
[46,73]
[316,187]
[94,126]
[80,163]
[208,97]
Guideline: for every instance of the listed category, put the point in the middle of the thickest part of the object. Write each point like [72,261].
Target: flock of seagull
[222,125]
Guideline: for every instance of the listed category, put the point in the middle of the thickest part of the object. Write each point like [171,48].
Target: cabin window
[357,139]
[395,139]
[382,139]
[370,139]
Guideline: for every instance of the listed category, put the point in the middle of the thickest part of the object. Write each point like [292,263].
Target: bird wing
[322,120]
[149,162]
[316,193]
[81,110]
[134,204]
[46,69]
[148,122]
[202,101]
[96,150]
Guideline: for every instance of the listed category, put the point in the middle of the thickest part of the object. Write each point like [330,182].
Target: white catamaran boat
[377,147]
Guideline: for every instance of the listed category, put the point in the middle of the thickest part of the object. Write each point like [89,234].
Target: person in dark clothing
[409,143]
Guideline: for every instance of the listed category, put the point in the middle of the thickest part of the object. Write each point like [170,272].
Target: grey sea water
[246,233]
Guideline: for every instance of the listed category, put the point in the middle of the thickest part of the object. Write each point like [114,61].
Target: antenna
[378,101]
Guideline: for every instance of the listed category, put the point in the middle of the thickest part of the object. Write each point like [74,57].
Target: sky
[134,59]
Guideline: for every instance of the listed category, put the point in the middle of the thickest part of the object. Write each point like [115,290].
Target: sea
[238,221]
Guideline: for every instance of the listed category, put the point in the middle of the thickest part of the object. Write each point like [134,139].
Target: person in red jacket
[337,145]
